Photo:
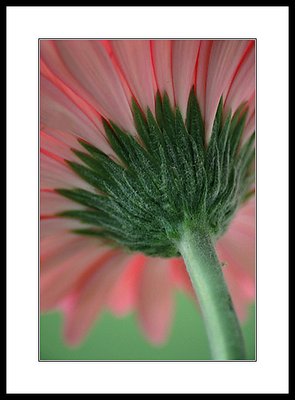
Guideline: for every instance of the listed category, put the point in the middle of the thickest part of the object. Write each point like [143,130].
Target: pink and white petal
[58,280]
[59,246]
[52,65]
[184,57]
[91,296]
[124,294]
[241,283]
[57,242]
[55,94]
[155,301]
[242,252]
[180,276]
[239,240]
[202,72]
[134,58]
[56,173]
[59,113]
[245,216]
[52,68]
[52,144]
[109,49]
[55,226]
[162,62]
[92,68]
[52,203]
[88,70]
[225,59]
[60,143]
[237,250]
[243,84]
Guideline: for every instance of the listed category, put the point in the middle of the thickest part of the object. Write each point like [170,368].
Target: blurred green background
[114,338]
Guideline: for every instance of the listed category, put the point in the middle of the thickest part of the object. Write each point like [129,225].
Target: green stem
[223,329]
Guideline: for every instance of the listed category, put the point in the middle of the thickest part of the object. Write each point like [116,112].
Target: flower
[85,83]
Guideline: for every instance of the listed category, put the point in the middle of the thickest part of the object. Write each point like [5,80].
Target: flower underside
[165,180]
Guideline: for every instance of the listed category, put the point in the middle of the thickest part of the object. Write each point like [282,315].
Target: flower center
[164,180]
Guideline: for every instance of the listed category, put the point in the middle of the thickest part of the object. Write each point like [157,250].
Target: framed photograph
[147,189]
[149,172]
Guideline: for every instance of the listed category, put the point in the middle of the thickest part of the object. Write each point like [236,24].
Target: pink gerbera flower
[146,147]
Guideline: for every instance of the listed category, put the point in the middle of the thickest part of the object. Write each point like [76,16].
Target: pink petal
[124,293]
[180,276]
[61,273]
[225,59]
[59,246]
[202,71]
[241,283]
[239,240]
[237,249]
[134,58]
[67,304]
[55,173]
[108,47]
[51,245]
[54,226]
[52,203]
[50,55]
[58,112]
[91,295]
[184,57]
[86,68]
[243,84]
[155,302]
[51,143]
[162,62]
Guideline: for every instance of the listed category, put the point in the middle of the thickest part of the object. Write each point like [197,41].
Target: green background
[114,338]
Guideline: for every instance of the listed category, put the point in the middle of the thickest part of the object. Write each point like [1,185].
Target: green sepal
[163,178]
[194,122]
